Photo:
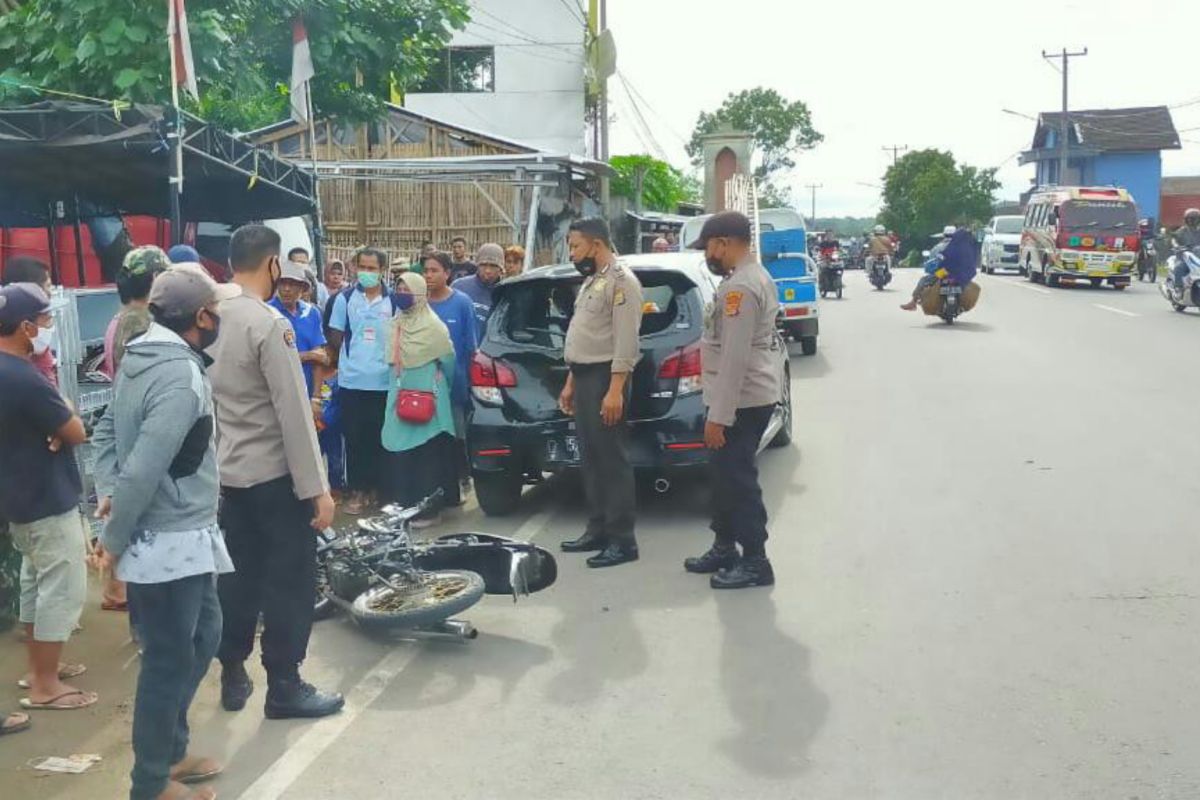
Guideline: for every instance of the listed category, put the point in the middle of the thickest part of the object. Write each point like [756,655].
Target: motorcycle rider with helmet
[1186,237]
[880,244]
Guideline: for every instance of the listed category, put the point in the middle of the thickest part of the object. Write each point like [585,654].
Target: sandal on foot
[56,704]
[194,769]
[14,723]
[65,673]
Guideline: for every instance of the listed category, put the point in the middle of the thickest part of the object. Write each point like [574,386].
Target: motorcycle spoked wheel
[435,597]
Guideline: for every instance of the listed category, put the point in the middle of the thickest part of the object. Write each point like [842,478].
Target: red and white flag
[181,45]
[302,70]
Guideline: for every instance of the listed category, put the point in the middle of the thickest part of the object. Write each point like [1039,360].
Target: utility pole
[812,187]
[1064,127]
[895,150]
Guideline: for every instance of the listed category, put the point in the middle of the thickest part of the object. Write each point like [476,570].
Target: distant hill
[843,226]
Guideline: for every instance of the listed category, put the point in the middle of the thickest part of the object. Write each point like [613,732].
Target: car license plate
[564,450]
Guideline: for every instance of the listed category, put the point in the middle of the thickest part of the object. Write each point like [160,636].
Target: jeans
[274,552]
[180,625]
[738,513]
[604,456]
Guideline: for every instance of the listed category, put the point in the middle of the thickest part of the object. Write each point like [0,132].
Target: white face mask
[41,343]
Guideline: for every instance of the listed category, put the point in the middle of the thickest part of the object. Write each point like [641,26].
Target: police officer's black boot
[615,554]
[748,571]
[236,686]
[293,698]
[585,544]
[720,556]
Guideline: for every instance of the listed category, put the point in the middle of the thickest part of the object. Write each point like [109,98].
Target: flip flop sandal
[197,775]
[15,727]
[65,673]
[53,703]
[114,605]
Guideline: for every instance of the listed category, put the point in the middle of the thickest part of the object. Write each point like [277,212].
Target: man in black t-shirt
[462,265]
[39,496]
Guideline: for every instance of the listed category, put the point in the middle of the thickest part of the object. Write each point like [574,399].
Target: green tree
[116,49]
[927,190]
[781,129]
[663,186]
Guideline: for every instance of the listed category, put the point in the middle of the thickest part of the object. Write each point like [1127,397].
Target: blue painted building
[1109,147]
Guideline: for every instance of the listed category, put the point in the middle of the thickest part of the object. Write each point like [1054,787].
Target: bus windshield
[1095,216]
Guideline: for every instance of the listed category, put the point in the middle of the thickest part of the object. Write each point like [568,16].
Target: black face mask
[207,337]
[586,266]
[715,266]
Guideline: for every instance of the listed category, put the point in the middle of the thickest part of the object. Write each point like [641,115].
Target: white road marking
[302,753]
[1027,286]
[1120,311]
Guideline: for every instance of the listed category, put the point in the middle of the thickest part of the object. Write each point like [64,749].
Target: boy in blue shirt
[458,312]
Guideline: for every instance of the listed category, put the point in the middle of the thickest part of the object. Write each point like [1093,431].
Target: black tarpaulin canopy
[119,161]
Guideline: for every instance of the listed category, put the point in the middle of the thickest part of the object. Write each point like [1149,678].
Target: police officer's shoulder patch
[733,303]
[289,337]
[619,297]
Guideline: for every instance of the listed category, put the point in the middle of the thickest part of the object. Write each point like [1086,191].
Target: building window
[461,69]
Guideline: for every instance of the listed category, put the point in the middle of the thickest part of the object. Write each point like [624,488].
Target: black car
[517,432]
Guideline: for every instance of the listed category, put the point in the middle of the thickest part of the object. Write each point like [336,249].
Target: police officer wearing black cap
[602,349]
[742,385]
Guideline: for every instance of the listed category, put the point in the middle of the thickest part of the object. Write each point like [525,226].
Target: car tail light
[683,366]
[488,377]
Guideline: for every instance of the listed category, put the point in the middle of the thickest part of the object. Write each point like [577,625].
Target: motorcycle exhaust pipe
[662,485]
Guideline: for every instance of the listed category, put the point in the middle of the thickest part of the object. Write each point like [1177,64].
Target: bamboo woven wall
[398,216]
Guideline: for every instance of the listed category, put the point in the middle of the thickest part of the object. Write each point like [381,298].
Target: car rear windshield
[1010,224]
[1093,216]
[538,312]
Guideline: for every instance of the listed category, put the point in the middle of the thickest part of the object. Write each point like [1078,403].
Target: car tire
[499,493]
[808,345]
[784,436]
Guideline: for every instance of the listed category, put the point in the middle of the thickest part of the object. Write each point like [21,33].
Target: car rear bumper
[656,445]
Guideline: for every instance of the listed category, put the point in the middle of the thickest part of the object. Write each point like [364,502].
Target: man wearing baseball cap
[305,320]
[157,480]
[489,270]
[39,496]
[742,385]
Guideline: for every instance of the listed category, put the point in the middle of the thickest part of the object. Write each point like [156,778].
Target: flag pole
[318,222]
[174,132]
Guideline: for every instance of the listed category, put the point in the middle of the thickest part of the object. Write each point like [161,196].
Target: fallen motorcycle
[385,581]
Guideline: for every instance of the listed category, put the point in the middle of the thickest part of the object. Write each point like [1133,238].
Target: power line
[578,58]
[514,31]
[895,150]
[658,149]
[666,124]
[575,11]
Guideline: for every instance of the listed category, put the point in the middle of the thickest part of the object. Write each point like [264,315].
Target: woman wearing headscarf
[422,358]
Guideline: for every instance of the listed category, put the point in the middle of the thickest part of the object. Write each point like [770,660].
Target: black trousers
[362,425]
[274,552]
[604,454]
[738,513]
[415,474]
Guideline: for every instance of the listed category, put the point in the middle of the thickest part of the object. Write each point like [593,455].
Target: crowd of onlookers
[375,340]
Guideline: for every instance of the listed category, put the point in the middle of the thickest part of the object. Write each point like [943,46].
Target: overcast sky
[925,73]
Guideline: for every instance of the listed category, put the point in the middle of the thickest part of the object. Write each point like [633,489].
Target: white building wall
[539,75]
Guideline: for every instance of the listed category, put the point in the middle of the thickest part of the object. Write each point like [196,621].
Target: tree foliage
[663,187]
[781,129]
[116,49]
[927,190]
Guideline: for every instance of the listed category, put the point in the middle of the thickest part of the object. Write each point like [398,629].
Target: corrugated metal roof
[1114,129]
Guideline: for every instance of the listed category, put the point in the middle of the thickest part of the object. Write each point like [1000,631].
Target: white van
[1002,244]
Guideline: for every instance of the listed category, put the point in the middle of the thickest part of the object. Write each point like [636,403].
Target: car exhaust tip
[662,485]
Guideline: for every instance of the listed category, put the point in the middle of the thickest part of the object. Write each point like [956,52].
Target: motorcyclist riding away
[880,244]
[827,246]
[1188,238]
[954,258]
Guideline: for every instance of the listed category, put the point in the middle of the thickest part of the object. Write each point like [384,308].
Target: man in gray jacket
[156,477]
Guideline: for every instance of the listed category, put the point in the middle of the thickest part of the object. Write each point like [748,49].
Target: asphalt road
[987,589]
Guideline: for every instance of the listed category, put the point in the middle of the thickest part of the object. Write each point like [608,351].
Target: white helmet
[880,230]
[949,231]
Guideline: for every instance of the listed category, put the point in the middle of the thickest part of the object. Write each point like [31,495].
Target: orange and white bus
[1076,233]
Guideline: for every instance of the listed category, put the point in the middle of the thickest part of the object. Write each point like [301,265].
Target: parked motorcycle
[879,271]
[384,580]
[1148,261]
[830,275]
[1187,295]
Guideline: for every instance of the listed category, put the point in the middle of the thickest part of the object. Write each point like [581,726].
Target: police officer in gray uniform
[602,350]
[742,385]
